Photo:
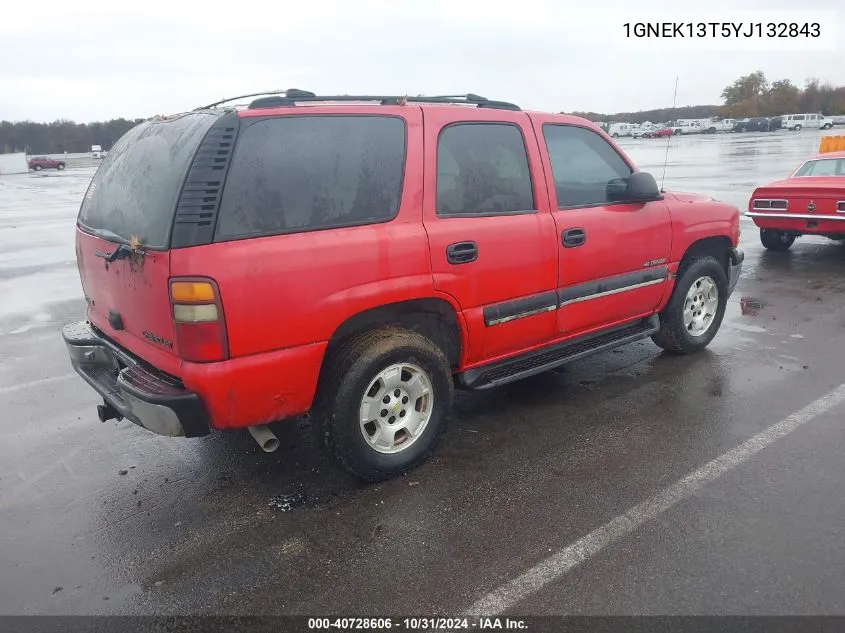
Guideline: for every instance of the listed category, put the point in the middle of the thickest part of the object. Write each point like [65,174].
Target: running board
[536,362]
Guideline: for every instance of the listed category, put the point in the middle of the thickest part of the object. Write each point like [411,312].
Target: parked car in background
[38,163]
[809,202]
[690,126]
[644,131]
[663,132]
[620,129]
[723,125]
[810,121]
[757,124]
[359,257]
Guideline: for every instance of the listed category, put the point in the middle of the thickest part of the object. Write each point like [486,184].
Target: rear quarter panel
[288,290]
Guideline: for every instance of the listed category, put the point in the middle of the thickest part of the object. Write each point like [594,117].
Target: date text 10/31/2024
[725,30]
[412,624]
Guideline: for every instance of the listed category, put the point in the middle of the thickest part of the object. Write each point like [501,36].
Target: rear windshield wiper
[121,252]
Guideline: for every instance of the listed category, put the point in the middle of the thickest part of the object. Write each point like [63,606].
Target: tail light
[198,320]
[766,204]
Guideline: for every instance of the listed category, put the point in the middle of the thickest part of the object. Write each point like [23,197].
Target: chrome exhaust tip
[266,439]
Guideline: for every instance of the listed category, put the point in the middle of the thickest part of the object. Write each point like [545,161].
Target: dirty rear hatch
[124,231]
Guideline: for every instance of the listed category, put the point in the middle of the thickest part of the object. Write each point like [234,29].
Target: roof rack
[292,96]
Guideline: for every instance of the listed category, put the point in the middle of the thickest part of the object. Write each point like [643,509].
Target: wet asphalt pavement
[108,518]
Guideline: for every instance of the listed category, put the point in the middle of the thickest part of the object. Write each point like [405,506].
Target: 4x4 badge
[811,207]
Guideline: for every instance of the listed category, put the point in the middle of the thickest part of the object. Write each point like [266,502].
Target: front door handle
[573,237]
[462,252]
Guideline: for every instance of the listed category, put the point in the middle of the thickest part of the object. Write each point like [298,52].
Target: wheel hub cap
[396,408]
[700,306]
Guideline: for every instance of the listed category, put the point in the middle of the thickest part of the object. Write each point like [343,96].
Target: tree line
[753,95]
[748,96]
[61,136]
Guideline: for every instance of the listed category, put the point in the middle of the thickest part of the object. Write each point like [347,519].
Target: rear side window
[482,169]
[300,173]
[586,168]
[134,192]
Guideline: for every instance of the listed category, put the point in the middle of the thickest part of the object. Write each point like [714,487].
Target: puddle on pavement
[303,497]
[287,502]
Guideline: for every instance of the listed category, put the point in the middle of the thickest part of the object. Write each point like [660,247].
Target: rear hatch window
[135,190]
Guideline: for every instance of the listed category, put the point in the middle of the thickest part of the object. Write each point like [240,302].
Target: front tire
[37,168]
[797,128]
[695,311]
[827,126]
[60,166]
[382,403]
[776,240]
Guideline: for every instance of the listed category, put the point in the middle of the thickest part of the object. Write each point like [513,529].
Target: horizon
[107,61]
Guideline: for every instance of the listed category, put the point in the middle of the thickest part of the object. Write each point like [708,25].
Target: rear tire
[60,166]
[776,240]
[796,128]
[37,168]
[391,364]
[695,311]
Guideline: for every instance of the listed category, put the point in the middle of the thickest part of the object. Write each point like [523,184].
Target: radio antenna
[669,138]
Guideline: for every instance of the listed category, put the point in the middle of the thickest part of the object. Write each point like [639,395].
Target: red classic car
[42,162]
[809,202]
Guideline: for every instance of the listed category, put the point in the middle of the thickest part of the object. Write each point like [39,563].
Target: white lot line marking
[564,560]
[34,383]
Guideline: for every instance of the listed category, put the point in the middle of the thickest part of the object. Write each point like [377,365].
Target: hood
[690,197]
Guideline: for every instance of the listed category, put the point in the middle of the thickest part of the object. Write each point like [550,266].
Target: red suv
[42,162]
[357,257]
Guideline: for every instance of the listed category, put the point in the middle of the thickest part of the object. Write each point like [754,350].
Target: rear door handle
[573,237]
[462,252]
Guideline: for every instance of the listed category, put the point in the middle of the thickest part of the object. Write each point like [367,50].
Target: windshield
[822,167]
[134,193]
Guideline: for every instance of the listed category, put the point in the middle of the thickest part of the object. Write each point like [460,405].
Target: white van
[812,121]
[620,129]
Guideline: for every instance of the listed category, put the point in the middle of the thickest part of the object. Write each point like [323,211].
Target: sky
[89,60]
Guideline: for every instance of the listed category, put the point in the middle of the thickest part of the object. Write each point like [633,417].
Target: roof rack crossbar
[289,91]
[289,97]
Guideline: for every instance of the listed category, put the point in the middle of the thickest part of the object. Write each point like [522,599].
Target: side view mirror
[642,187]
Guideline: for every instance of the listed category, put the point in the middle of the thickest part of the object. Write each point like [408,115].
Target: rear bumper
[737,256]
[141,394]
[800,223]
